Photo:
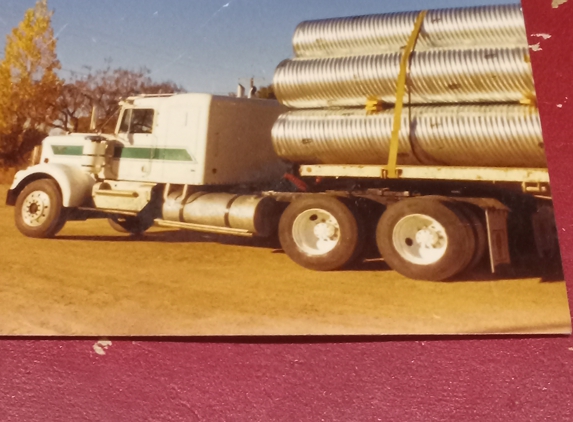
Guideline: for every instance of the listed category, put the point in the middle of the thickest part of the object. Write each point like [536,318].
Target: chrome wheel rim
[36,208]
[316,232]
[420,239]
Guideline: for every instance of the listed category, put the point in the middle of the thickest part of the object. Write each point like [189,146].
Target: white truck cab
[197,140]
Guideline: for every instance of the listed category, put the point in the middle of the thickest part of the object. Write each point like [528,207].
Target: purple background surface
[505,380]
[324,379]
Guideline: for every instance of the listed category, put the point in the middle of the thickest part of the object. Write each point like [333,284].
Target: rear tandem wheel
[320,232]
[427,238]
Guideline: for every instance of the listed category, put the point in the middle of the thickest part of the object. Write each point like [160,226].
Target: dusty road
[93,281]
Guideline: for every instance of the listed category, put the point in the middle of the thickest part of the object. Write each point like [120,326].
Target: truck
[438,181]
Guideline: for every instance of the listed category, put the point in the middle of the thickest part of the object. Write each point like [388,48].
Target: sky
[202,45]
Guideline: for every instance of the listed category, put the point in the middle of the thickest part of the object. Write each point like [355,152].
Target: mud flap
[11,198]
[498,240]
[545,232]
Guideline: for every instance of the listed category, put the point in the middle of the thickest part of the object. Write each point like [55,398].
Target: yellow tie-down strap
[529,99]
[400,92]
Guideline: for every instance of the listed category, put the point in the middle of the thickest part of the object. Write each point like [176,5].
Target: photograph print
[249,168]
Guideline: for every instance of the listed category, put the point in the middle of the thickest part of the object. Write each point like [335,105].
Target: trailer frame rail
[532,180]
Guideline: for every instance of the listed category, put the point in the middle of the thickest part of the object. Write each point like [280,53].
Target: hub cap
[35,208]
[316,232]
[420,239]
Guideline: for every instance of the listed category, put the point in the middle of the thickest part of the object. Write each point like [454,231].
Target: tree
[266,92]
[103,89]
[29,85]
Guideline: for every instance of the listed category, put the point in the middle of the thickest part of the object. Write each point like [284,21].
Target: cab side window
[137,120]
[141,120]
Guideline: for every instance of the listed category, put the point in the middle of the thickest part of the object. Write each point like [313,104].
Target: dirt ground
[91,280]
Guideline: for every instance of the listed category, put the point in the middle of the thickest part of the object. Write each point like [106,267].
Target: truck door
[136,155]
[182,136]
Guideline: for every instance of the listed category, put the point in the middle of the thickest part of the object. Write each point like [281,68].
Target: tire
[39,212]
[128,224]
[426,239]
[320,233]
[478,224]
[116,226]
[62,222]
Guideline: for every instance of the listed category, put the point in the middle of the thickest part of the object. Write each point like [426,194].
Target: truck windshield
[137,120]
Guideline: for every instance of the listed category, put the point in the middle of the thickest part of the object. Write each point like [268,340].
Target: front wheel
[39,211]
[320,233]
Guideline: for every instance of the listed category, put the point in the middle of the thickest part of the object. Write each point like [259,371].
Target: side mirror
[36,155]
[93,121]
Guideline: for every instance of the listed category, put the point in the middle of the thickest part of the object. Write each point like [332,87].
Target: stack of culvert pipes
[468,74]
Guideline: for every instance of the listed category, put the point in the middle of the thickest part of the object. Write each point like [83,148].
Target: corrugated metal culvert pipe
[498,136]
[483,26]
[444,76]
[468,74]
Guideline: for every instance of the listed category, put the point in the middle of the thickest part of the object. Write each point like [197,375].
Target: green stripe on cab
[167,154]
[67,149]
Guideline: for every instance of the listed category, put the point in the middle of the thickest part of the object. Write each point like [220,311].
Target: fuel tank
[247,212]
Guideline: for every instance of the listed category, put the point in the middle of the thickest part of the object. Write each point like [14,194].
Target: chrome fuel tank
[494,136]
[440,76]
[246,212]
[484,26]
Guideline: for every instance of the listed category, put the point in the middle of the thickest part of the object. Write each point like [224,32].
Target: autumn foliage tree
[103,89]
[266,92]
[34,100]
[29,85]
